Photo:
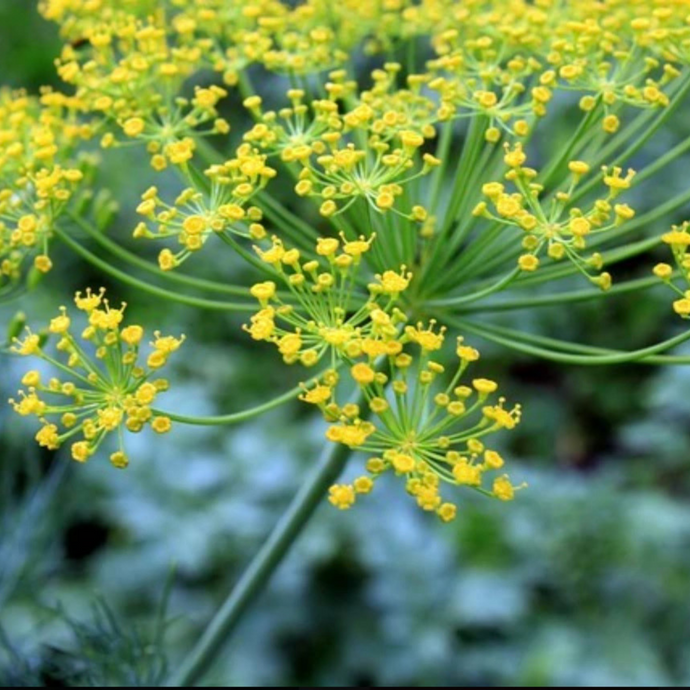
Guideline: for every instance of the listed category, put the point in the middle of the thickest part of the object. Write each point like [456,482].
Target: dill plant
[415,215]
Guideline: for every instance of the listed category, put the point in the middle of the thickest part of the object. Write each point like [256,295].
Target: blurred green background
[584,580]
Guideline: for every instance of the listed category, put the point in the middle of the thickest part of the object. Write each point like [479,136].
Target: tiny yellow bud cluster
[104,392]
[324,314]
[41,173]
[413,425]
[134,59]
[337,167]
[556,228]
[131,75]
[197,214]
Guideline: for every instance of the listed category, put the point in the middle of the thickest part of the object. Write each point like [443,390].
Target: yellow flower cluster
[553,225]
[508,59]
[679,241]
[40,173]
[322,314]
[197,213]
[102,393]
[80,17]
[388,110]
[496,95]
[416,422]
[504,59]
[231,34]
[368,151]
[130,74]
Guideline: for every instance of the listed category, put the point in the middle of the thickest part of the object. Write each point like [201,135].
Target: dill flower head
[359,153]
[419,422]
[196,215]
[101,386]
[555,228]
[322,314]
[502,102]
[390,111]
[129,71]
[39,174]
[350,153]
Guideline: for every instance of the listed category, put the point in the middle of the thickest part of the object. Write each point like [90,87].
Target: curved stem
[486,292]
[147,287]
[616,357]
[559,298]
[261,568]
[242,416]
[130,257]
[579,348]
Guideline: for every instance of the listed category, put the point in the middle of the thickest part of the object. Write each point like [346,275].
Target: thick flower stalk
[97,394]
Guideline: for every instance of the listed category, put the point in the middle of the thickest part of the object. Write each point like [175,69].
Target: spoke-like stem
[576,139]
[134,260]
[559,298]
[480,294]
[579,348]
[493,333]
[257,575]
[244,415]
[147,287]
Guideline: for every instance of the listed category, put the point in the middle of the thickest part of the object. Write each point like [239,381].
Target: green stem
[442,153]
[462,179]
[553,168]
[481,294]
[261,568]
[130,257]
[661,162]
[564,297]
[147,287]
[617,357]
[579,348]
[237,417]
